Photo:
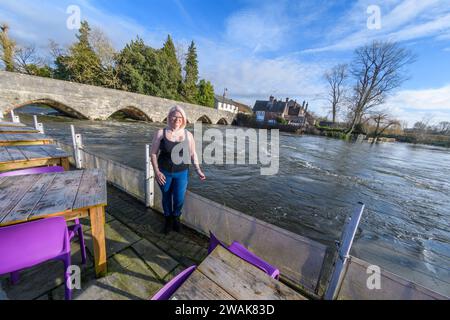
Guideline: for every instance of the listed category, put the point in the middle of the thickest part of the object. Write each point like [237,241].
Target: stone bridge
[90,102]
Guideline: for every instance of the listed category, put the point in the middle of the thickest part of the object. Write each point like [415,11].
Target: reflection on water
[406,189]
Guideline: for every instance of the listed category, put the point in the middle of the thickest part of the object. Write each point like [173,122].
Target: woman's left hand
[201,175]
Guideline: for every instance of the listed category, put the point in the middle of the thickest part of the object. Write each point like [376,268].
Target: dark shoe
[176,224]
[167,224]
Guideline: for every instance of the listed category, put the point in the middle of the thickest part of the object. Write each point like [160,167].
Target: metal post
[149,178]
[38,126]
[77,145]
[14,118]
[343,252]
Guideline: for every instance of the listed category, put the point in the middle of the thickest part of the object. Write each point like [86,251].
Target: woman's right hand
[160,178]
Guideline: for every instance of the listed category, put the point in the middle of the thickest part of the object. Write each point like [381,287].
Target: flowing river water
[406,188]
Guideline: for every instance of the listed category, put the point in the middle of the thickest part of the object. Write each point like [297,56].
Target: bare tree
[382,121]
[26,59]
[7,47]
[336,78]
[55,49]
[102,46]
[378,69]
[443,127]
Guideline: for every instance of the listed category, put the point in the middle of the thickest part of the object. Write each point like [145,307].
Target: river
[406,188]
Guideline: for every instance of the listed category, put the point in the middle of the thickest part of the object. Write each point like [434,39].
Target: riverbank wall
[303,263]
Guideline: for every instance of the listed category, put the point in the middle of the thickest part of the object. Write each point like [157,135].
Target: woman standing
[173,176]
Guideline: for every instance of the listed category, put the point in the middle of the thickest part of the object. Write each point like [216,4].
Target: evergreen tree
[205,95]
[81,64]
[189,88]
[170,71]
[139,69]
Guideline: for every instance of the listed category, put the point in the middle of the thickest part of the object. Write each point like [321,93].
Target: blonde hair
[183,114]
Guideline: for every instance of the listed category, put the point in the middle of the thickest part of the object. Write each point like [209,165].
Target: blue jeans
[173,192]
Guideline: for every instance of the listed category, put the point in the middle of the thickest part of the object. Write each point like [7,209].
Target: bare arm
[194,157]
[160,178]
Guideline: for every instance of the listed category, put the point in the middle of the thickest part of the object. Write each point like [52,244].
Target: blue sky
[257,48]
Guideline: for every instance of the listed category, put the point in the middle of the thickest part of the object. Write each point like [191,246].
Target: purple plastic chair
[32,171]
[28,244]
[214,242]
[243,253]
[75,229]
[168,290]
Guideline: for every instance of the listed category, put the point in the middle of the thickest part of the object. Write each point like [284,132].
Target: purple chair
[32,171]
[74,229]
[214,242]
[243,253]
[28,244]
[168,290]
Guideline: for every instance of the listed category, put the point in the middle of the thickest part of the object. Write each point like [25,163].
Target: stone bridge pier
[96,103]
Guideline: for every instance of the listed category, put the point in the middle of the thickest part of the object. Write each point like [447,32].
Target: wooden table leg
[65,164]
[97,216]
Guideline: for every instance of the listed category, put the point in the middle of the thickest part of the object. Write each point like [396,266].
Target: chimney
[306,108]
[287,100]
[303,105]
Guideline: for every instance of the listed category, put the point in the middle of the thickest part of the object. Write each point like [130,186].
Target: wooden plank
[242,280]
[199,287]
[25,206]
[54,151]
[4,155]
[34,152]
[17,137]
[61,194]
[92,191]
[15,154]
[12,189]
[7,166]
[18,129]
[97,217]
[11,124]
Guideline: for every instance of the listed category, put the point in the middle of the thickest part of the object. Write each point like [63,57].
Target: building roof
[243,107]
[268,106]
[223,99]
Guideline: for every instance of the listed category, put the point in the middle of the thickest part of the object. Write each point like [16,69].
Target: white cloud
[400,21]
[249,77]
[260,29]
[37,22]
[413,105]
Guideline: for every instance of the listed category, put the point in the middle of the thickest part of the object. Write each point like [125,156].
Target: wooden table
[11,124]
[225,276]
[18,129]
[23,139]
[21,157]
[71,194]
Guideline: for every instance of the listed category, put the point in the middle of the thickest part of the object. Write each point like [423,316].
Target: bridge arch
[131,112]
[204,119]
[61,107]
[222,121]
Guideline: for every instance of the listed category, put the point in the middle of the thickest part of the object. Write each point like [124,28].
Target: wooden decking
[23,139]
[19,157]
[140,258]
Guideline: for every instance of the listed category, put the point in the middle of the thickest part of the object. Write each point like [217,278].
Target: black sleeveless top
[165,156]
